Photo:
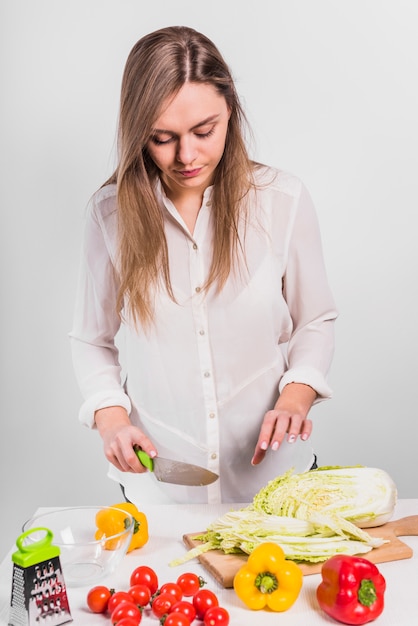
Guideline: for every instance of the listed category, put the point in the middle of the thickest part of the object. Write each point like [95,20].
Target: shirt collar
[162,196]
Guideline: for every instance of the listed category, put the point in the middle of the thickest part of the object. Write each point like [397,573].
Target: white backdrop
[330,88]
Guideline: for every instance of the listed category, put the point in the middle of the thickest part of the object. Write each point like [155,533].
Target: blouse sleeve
[96,321]
[310,302]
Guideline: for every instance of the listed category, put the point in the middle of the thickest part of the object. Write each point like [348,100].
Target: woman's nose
[186,150]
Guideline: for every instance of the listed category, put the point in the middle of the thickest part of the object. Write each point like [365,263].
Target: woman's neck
[187,202]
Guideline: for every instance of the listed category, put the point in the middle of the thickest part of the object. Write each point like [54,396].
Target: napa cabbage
[312,515]
[365,496]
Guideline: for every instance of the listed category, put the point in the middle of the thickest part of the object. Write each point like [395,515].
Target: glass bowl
[84,559]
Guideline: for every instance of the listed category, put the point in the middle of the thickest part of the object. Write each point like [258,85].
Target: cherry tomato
[203,600]
[98,598]
[172,588]
[216,616]
[116,599]
[140,594]
[162,604]
[176,619]
[127,621]
[144,575]
[190,583]
[186,608]
[124,610]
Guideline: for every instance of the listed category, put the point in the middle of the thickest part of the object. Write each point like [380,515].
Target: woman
[205,272]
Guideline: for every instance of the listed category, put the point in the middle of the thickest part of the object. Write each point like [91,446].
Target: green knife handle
[145,459]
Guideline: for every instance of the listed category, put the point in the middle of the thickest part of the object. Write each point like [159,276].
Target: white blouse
[199,382]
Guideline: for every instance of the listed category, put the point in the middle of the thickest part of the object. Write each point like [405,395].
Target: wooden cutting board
[223,567]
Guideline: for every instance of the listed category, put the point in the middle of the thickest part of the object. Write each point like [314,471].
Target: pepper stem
[266,582]
[126,523]
[367,592]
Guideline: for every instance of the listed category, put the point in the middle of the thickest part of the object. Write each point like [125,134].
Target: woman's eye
[206,134]
[160,142]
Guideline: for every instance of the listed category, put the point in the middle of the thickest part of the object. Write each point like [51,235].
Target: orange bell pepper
[111,522]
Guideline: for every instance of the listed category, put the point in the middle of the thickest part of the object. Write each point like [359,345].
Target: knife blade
[176,472]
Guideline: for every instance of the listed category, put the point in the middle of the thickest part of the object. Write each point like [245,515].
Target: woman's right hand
[120,437]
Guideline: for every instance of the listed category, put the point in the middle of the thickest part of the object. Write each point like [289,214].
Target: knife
[176,472]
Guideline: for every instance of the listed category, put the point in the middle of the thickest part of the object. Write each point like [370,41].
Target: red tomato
[116,599]
[172,588]
[140,594]
[144,575]
[97,599]
[127,621]
[125,610]
[190,583]
[176,619]
[186,608]
[203,600]
[162,604]
[216,616]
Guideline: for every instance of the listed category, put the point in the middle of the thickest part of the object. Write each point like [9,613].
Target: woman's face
[188,139]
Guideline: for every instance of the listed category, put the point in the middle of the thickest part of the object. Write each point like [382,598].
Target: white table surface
[168,524]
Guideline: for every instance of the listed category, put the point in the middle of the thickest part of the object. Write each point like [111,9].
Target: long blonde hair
[157,67]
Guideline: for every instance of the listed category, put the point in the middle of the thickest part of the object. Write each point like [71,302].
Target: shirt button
[213,456]
[206,374]
[197,289]
[201,332]
[211,415]
[195,246]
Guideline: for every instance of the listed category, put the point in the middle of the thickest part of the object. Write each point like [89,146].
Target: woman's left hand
[288,420]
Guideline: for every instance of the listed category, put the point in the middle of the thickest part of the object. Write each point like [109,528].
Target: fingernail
[304,437]
[264,445]
[291,438]
[153,454]
[275,445]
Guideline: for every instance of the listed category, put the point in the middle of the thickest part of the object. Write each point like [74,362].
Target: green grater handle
[36,551]
[36,545]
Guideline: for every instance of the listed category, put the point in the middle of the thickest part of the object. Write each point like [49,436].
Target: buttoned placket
[198,274]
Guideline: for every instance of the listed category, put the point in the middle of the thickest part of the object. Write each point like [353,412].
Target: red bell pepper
[352,589]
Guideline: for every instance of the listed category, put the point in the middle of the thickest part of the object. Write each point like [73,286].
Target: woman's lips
[190,173]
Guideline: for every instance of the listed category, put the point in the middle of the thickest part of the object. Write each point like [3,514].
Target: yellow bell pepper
[268,580]
[111,522]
